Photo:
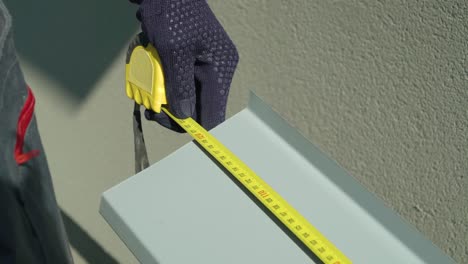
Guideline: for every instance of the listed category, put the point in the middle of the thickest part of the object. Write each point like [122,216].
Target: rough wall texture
[381,86]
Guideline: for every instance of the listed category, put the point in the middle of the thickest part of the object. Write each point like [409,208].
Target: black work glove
[198,59]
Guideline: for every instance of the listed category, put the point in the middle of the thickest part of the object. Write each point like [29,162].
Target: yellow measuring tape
[145,85]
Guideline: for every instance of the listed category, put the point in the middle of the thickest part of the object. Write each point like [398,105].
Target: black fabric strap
[141,156]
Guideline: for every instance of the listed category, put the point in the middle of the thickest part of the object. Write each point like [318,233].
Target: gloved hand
[198,59]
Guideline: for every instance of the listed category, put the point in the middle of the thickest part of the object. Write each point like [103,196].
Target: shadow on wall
[73,42]
[88,248]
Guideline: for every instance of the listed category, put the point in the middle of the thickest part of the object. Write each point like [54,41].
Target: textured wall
[381,86]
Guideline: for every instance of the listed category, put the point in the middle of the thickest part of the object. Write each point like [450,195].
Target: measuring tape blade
[292,219]
[149,91]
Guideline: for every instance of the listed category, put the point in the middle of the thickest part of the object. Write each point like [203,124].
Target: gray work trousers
[31,227]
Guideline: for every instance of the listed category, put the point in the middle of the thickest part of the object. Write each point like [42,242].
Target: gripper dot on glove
[198,57]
